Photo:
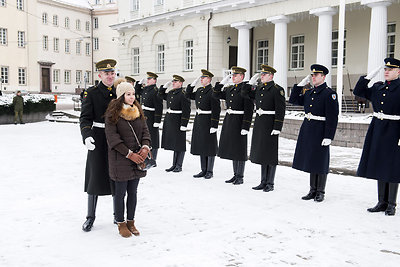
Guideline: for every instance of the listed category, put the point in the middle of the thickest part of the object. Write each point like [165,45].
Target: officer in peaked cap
[94,105]
[381,151]
[132,81]
[175,121]
[237,121]
[152,107]
[270,108]
[204,136]
[317,131]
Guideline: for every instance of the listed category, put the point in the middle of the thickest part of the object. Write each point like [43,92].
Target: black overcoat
[150,98]
[94,105]
[381,152]
[310,156]
[172,137]
[233,145]
[264,146]
[203,143]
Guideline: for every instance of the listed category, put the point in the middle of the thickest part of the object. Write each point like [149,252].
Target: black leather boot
[313,187]
[91,215]
[321,183]
[173,162]
[240,172]
[233,179]
[203,164]
[382,204]
[392,196]
[179,161]
[210,167]
[263,178]
[270,178]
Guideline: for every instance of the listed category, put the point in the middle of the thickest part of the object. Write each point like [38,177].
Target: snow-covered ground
[183,221]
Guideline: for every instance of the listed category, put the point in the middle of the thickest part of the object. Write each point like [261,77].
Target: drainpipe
[208,40]
[251,51]
[91,41]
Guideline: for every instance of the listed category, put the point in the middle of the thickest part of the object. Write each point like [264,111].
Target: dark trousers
[121,188]
[18,115]
[238,168]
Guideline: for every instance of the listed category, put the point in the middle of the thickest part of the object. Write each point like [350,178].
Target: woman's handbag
[149,162]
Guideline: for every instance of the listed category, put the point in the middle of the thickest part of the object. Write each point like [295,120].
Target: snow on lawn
[183,221]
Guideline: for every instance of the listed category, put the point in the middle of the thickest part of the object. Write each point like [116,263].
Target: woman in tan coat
[124,118]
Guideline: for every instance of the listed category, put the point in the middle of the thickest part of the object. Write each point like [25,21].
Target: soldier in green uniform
[18,103]
[270,108]
[94,105]
[152,105]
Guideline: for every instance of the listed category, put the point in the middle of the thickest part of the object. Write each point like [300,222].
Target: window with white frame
[188,55]
[56,76]
[56,44]
[96,43]
[262,53]
[66,23]
[88,76]
[45,42]
[78,76]
[87,27]
[96,23]
[4,74]
[67,42]
[297,52]
[97,2]
[135,5]
[3,36]
[22,76]
[67,76]
[78,47]
[335,45]
[20,4]
[78,24]
[21,39]
[55,20]
[391,39]
[159,2]
[135,60]
[87,49]
[160,57]
[44,18]
[2,2]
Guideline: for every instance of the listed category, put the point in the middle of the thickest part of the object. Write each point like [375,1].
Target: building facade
[53,45]
[182,37]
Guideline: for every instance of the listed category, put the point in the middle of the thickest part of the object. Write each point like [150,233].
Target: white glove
[89,143]
[373,73]
[244,132]
[142,81]
[193,84]
[213,130]
[326,142]
[275,132]
[156,125]
[305,81]
[167,84]
[183,128]
[253,80]
[226,79]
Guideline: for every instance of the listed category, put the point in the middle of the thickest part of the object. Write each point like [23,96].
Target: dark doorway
[45,86]
[233,51]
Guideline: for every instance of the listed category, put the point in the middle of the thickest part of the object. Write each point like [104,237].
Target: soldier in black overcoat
[237,121]
[94,105]
[132,81]
[270,112]
[204,133]
[381,152]
[175,121]
[152,106]
[317,131]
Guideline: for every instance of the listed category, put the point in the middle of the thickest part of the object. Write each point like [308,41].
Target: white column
[280,49]
[377,35]
[243,45]
[324,48]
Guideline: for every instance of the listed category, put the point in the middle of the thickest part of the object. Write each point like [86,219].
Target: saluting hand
[167,84]
[142,81]
[193,84]
[253,80]
[305,81]
[373,73]
[226,79]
